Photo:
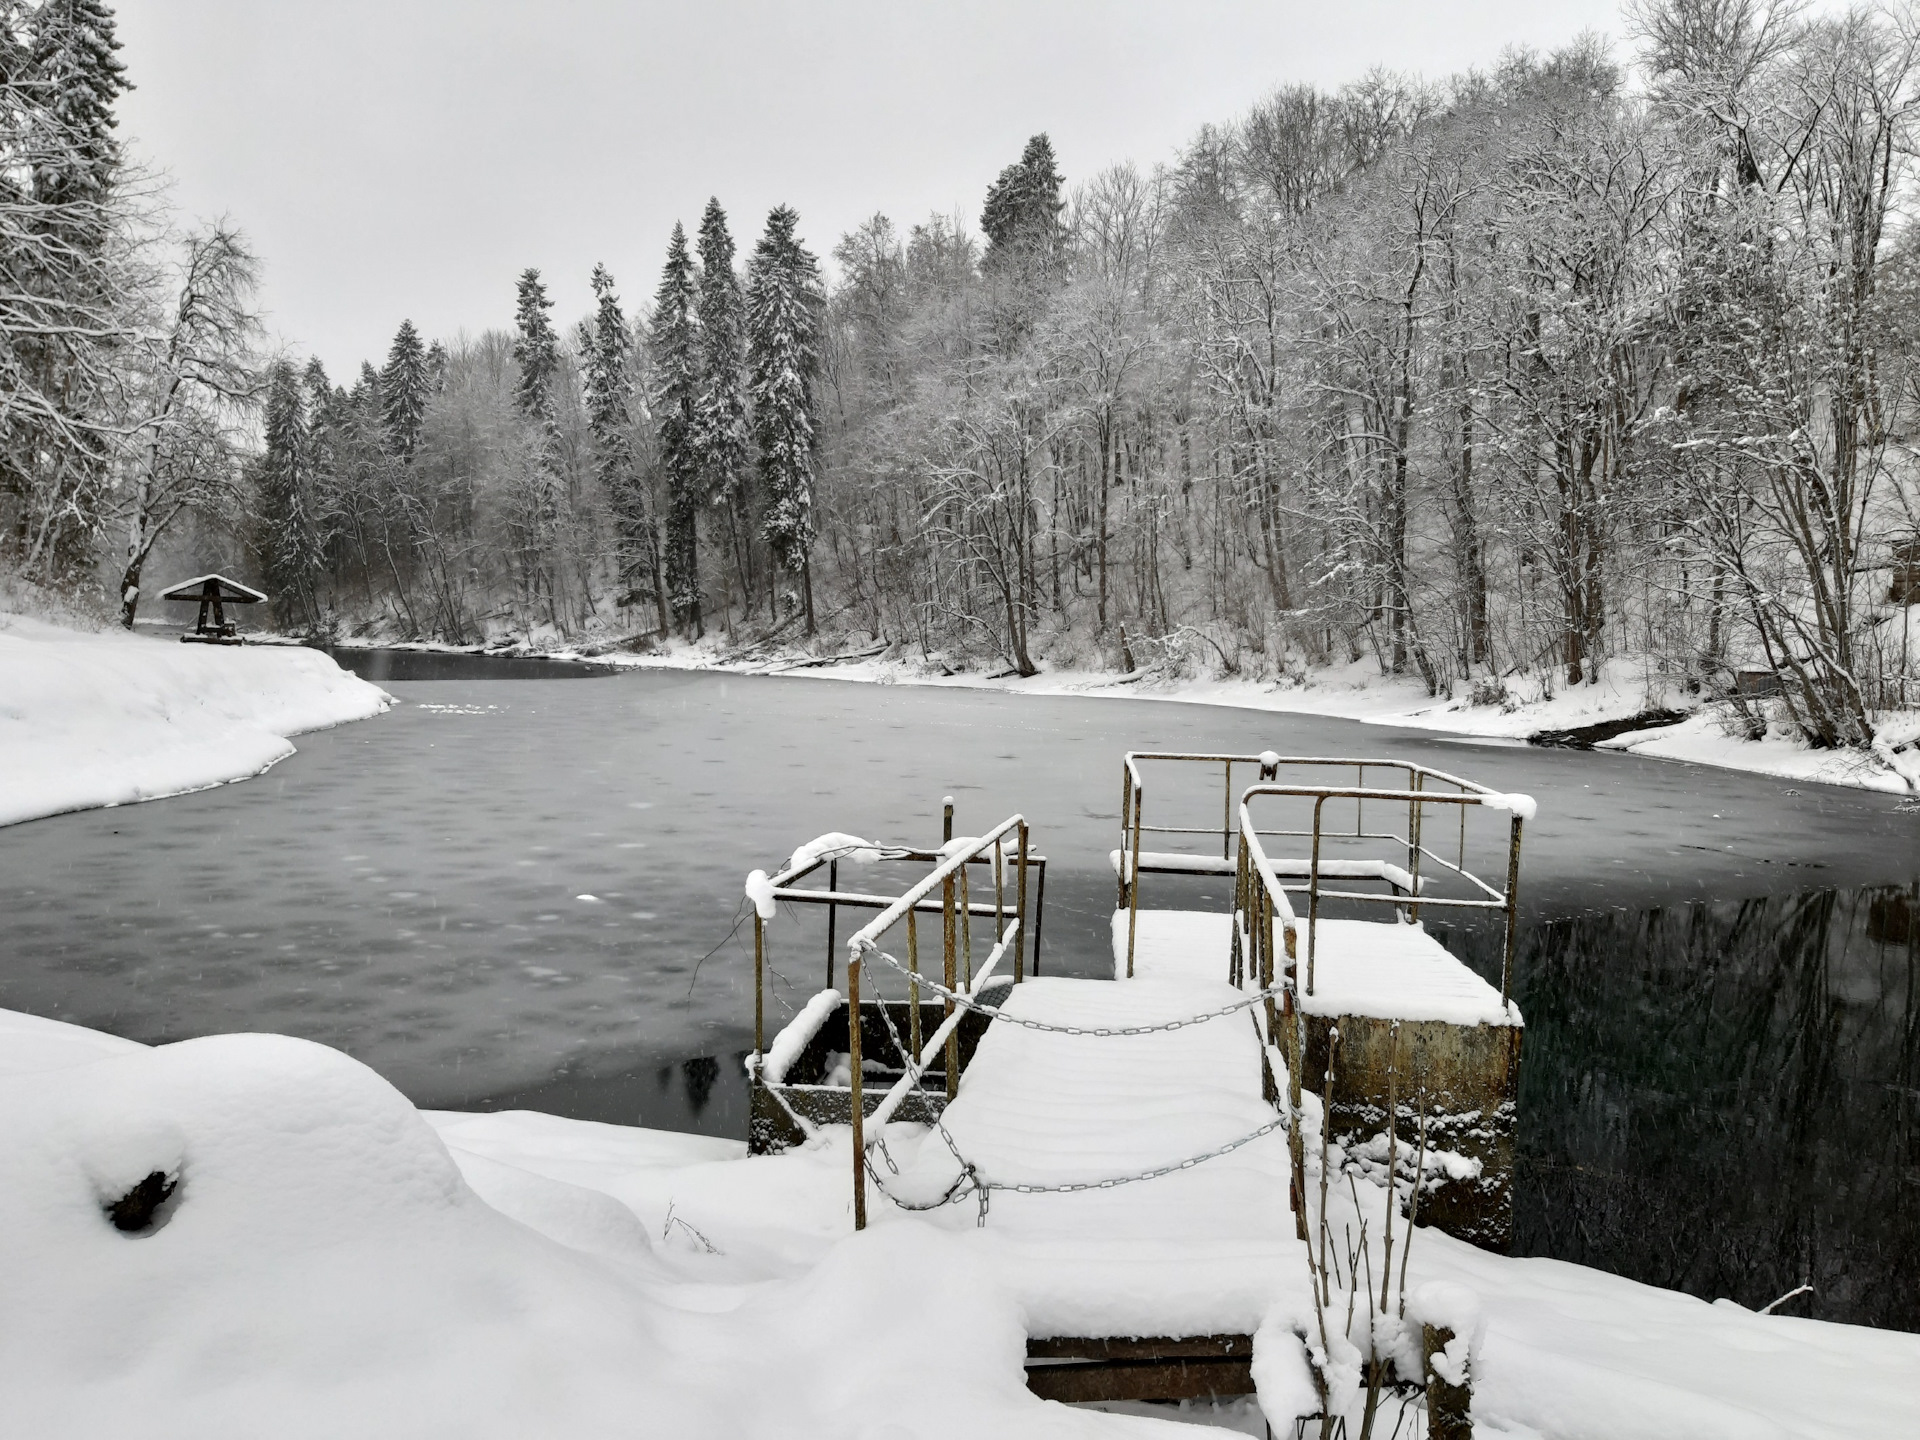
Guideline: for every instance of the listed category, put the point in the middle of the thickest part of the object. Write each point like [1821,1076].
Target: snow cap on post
[760,892]
[1521,807]
[1268,759]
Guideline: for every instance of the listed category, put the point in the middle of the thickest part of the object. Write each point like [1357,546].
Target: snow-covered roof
[231,592]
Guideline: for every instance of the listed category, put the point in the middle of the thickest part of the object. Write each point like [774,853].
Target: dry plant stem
[1393,1119]
[1413,1204]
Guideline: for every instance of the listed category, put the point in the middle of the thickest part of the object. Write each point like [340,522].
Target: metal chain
[960,997]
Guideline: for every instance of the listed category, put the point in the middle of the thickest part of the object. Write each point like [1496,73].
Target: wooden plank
[1177,1379]
[1136,1347]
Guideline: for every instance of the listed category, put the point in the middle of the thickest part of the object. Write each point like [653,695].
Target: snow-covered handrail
[910,1080]
[796,1035]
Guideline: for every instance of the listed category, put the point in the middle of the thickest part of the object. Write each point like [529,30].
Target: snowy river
[524,891]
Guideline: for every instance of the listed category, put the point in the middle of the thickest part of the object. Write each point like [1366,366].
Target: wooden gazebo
[213,593]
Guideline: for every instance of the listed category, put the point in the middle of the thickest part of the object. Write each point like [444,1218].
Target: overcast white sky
[407,158]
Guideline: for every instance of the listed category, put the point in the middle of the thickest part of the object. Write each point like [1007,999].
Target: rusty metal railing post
[1126,800]
[946,819]
[966,920]
[1513,889]
[833,915]
[859,1115]
[1226,817]
[1415,815]
[1039,916]
[759,984]
[1020,912]
[948,939]
[913,988]
[1313,890]
[1133,889]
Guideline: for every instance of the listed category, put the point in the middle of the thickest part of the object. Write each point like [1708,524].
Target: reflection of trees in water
[1725,1099]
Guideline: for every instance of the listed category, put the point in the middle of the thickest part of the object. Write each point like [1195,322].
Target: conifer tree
[1021,219]
[784,319]
[536,350]
[437,364]
[609,389]
[675,346]
[720,415]
[404,388]
[290,546]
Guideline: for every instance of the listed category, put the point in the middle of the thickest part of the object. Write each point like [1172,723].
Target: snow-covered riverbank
[106,719]
[1359,691]
[333,1259]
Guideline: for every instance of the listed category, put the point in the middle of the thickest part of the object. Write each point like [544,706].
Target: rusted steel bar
[1126,800]
[1414,812]
[759,984]
[1039,914]
[833,917]
[946,819]
[1133,888]
[999,887]
[1020,941]
[939,1039]
[913,986]
[1226,815]
[857,900]
[859,1116]
[1513,889]
[947,944]
[1313,889]
[966,925]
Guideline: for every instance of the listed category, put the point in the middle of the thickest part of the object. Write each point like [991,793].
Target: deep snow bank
[323,1268]
[104,719]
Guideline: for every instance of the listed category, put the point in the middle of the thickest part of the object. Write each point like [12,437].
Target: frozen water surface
[410,888]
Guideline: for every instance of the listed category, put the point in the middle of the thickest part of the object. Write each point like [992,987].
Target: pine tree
[675,345]
[720,414]
[290,545]
[77,158]
[784,315]
[437,366]
[1021,219]
[536,350]
[404,387]
[609,387]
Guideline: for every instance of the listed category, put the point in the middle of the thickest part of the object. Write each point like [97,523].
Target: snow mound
[107,719]
[319,1267]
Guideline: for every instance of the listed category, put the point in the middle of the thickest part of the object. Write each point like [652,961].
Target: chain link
[961,998]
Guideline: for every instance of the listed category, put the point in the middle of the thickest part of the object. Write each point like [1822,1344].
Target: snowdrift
[320,1267]
[107,719]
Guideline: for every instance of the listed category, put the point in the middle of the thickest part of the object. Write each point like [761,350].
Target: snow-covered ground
[109,718]
[333,1261]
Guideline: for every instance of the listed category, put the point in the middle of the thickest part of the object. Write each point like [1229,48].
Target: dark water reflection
[1725,1099]
[381,666]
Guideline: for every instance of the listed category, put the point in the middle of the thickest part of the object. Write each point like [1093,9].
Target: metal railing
[785,886]
[1133,860]
[1007,850]
[1261,892]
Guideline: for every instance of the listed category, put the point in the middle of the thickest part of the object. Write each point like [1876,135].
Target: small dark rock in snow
[134,1211]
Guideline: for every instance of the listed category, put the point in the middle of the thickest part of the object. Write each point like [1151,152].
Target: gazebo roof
[213,587]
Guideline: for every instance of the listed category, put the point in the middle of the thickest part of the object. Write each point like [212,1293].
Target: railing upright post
[913,986]
[1414,817]
[833,913]
[1226,817]
[1133,889]
[966,919]
[1126,800]
[1039,914]
[1513,887]
[859,1117]
[1020,912]
[1313,890]
[948,939]
[759,984]
[946,820]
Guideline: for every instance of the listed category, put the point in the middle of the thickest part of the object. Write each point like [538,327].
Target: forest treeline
[1546,365]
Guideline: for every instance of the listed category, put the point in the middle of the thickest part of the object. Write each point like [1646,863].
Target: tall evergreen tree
[290,545]
[1021,219]
[720,413]
[405,385]
[785,308]
[437,364]
[536,350]
[609,387]
[676,360]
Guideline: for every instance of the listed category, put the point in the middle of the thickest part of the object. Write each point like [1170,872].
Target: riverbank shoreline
[96,719]
[1706,732]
